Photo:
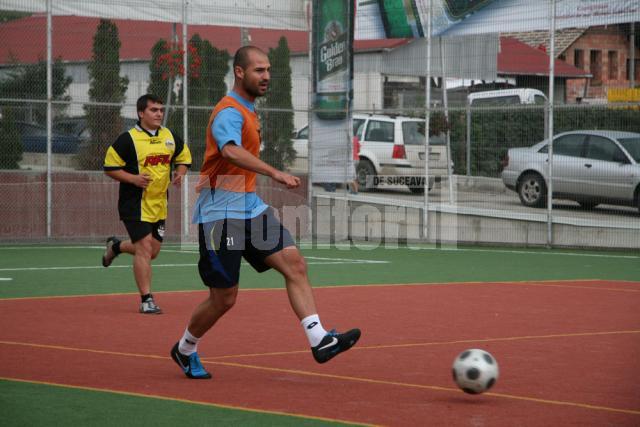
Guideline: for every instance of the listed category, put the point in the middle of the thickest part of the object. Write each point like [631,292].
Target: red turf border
[547,336]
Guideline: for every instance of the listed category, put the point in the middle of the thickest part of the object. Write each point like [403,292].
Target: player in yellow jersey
[235,223]
[141,160]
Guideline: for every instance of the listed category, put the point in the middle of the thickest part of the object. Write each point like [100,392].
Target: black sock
[116,248]
[145,297]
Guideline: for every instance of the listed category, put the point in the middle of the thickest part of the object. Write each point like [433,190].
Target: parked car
[79,127]
[589,167]
[69,134]
[390,147]
[507,97]
[34,139]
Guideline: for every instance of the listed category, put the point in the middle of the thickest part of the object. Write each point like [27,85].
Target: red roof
[517,58]
[24,40]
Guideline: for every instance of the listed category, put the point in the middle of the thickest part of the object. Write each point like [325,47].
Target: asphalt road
[492,199]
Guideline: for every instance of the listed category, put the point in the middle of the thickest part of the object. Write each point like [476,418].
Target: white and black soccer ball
[475,371]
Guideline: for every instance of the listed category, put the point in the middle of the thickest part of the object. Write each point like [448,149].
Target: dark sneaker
[334,343]
[109,255]
[190,365]
[150,307]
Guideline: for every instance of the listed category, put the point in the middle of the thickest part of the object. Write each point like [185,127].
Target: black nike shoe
[190,365]
[109,254]
[334,343]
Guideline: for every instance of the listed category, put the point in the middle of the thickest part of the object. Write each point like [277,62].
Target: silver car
[589,166]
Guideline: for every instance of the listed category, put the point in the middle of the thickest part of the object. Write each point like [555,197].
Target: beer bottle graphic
[332,34]
[409,18]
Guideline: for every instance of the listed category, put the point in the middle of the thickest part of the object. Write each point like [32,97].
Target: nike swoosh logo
[184,368]
[333,342]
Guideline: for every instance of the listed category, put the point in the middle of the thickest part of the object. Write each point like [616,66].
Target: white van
[507,97]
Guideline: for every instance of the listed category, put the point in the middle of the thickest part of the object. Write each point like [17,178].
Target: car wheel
[365,172]
[532,190]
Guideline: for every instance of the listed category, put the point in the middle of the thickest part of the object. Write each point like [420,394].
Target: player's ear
[238,71]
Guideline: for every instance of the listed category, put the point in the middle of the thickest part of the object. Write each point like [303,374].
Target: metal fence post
[425,207]
[185,115]
[49,115]
[552,60]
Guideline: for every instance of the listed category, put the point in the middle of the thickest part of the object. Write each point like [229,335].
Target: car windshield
[69,128]
[632,145]
[413,134]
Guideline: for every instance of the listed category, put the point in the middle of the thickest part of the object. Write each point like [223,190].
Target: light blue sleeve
[227,127]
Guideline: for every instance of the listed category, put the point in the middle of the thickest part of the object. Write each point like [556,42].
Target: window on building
[613,65]
[578,58]
[637,69]
[595,67]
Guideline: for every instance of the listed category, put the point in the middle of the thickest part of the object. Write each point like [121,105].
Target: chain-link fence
[491,98]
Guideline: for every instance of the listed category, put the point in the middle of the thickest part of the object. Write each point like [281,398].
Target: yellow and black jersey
[138,152]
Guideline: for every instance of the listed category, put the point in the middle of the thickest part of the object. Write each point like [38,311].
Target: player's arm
[178,174]
[121,175]
[182,161]
[242,158]
[118,156]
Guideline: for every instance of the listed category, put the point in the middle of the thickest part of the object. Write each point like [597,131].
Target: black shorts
[225,242]
[139,229]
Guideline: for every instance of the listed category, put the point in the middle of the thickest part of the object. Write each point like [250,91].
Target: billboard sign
[332,47]
[410,18]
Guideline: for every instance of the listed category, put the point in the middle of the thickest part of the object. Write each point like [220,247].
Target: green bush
[10,141]
[106,85]
[494,131]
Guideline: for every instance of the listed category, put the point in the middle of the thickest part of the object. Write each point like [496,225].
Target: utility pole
[632,56]
[245,37]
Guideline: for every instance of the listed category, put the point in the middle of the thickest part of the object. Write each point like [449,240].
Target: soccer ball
[475,371]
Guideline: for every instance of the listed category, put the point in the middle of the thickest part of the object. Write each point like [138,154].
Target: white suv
[391,151]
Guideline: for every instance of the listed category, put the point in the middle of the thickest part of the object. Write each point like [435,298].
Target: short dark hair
[241,58]
[143,101]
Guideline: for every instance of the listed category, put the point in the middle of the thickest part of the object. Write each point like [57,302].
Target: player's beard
[255,91]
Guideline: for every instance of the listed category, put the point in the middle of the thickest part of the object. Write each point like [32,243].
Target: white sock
[313,328]
[188,343]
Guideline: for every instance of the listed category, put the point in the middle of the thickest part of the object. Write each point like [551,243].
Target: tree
[215,66]
[277,110]
[205,90]
[9,141]
[106,86]
[9,15]
[29,81]
[158,71]
[208,67]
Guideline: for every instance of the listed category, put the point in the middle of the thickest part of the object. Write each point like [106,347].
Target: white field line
[39,248]
[355,245]
[369,246]
[5,279]
[321,261]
